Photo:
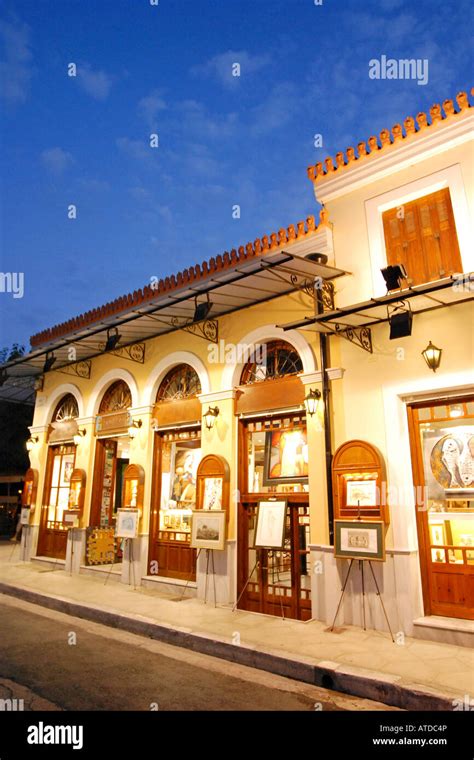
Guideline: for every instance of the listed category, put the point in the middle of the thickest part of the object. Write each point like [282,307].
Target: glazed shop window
[448,463]
[421,235]
[59,489]
[277,455]
[179,462]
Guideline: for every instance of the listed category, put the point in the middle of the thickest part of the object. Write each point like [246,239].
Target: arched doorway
[177,453]
[112,455]
[52,539]
[273,465]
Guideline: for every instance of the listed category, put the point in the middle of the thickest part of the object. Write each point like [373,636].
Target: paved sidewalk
[419,675]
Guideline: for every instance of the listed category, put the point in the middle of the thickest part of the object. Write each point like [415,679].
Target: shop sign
[62,431]
[115,422]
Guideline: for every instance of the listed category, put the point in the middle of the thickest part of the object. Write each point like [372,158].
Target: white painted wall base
[75,550]
[134,560]
[224,564]
[29,541]
[398,580]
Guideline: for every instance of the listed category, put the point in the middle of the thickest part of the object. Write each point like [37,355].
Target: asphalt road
[56,662]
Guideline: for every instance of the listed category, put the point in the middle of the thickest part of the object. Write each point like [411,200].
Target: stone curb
[358,682]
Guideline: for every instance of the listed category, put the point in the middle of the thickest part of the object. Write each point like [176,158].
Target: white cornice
[395,158]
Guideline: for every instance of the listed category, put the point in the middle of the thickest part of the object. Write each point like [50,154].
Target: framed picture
[208,529]
[127,523]
[25,516]
[184,466]
[270,527]
[212,497]
[361,493]
[286,457]
[358,539]
[437,534]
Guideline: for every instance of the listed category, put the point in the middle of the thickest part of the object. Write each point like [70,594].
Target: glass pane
[179,463]
[56,470]
[66,469]
[278,460]
[448,463]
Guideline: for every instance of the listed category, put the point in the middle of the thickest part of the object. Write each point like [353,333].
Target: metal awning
[247,284]
[355,321]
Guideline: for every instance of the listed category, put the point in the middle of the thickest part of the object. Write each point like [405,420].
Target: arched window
[116,398]
[273,360]
[67,409]
[179,383]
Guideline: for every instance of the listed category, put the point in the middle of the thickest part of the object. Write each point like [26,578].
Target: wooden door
[442,448]
[170,554]
[272,582]
[52,539]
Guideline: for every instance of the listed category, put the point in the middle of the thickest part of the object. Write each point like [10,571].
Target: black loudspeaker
[400,325]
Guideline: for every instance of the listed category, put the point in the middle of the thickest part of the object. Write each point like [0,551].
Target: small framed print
[208,529]
[359,539]
[127,523]
[437,534]
[270,527]
[25,516]
[361,493]
[212,497]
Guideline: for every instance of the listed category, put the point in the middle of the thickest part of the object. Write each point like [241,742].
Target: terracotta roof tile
[326,169]
[198,272]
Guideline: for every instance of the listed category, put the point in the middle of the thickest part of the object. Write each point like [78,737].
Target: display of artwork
[107,484]
[359,539]
[208,529]
[286,456]
[183,484]
[100,546]
[361,493]
[127,523]
[452,459]
[270,527]
[212,498]
[25,516]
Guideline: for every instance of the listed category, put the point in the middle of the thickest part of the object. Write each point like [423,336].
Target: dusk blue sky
[224,140]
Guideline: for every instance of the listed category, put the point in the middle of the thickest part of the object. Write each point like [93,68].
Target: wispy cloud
[15,65]
[275,110]
[150,106]
[137,149]
[97,83]
[204,123]
[56,160]
[221,66]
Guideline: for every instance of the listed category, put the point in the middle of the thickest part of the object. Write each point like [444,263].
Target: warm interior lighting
[134,427]
[311,401]
[456,410]
[393,276]
[210,416]
[77,438]
[432,356]
[112,340]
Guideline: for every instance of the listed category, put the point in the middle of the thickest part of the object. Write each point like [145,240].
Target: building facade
[290,370]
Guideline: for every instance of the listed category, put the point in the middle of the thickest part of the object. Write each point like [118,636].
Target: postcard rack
[359,483]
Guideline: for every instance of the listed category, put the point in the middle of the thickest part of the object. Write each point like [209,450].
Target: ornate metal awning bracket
[208,329]
[134,353]
[360,336]
[78,369]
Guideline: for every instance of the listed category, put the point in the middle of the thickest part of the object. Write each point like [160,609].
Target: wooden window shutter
[421,235]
